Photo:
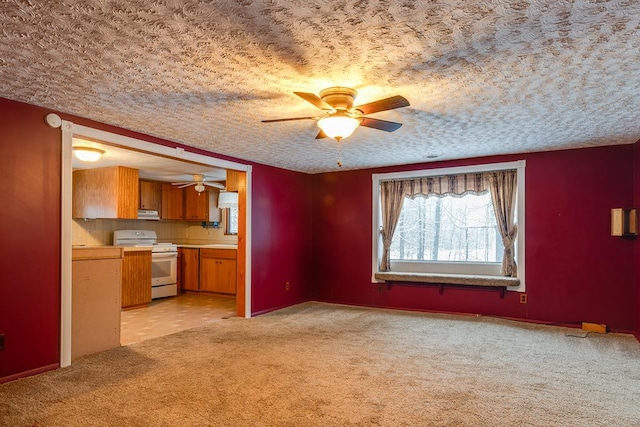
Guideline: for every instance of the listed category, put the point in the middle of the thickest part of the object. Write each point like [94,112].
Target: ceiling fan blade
[215,185]
[383,105]
[321,134]
[287,120]
[380,124]
[315,100]
[187,185]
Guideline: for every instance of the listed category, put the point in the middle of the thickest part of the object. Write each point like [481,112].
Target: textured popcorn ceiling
[482,77]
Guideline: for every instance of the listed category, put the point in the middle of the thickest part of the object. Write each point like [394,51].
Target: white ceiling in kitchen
[483,77]
[150,166]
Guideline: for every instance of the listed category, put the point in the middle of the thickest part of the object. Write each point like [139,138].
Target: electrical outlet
[380,288]
[523,298]
[286,286]
[1,341]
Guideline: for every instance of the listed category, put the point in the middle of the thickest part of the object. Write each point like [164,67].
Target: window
[446,223]
[231,220]
[448,229]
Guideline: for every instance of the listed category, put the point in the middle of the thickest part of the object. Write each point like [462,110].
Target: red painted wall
[575,271]
[281,238]
[30,217]
[30,250]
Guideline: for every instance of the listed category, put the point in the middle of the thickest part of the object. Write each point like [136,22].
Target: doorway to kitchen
[71,131]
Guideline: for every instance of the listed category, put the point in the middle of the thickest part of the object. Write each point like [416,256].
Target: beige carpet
[328,365]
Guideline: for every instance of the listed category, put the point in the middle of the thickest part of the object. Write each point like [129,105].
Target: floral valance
[443,185]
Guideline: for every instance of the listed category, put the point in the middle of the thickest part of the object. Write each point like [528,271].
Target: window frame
[447,267]
[227,223]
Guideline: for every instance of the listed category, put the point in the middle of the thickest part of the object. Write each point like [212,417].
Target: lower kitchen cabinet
[189,269]
[218,271]
[96,288]
[136,278]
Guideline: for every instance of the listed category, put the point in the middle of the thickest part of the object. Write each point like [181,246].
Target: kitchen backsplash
[100,231]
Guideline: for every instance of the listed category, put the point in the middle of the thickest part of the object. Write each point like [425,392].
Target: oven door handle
[159,255]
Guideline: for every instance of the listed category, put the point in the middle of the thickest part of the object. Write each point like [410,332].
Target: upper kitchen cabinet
[150,195]
[172,202]
[184,203]
[110,192]
[196,206]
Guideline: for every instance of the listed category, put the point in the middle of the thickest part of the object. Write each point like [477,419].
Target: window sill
[448,279]
[500,283]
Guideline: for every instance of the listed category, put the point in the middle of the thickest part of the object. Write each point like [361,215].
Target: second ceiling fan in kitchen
[200,182]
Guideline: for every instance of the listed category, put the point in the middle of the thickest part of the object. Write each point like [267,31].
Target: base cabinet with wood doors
[136,277]
[189,269]
[218,270]
[208,270]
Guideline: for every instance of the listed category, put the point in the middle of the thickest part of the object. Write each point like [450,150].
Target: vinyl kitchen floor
[169,315]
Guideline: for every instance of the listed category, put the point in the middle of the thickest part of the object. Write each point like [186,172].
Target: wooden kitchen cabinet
[172,206]
[189,269]
[150,195]
[110,192]
[196,206]
[136,278]
[218,270]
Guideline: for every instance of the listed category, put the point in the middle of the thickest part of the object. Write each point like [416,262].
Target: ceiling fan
[341,118]
[200,183]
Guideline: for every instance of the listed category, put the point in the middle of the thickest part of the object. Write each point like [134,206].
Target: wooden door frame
[71,130]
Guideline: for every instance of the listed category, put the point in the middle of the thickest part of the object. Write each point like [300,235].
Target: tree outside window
[450,228]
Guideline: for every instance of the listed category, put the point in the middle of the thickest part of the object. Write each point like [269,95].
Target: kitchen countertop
[135,248]
[210,246]
[79,253]
[148,248]
[123,248]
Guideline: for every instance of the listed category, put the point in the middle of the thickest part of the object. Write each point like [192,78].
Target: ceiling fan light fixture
[199,187]
[87,154]
[338,126]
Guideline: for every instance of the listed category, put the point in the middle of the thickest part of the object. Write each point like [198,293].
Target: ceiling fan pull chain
[339,162]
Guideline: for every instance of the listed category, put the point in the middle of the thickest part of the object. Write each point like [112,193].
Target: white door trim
[71,130]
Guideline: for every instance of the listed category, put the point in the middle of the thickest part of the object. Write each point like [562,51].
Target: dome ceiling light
[87,154]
